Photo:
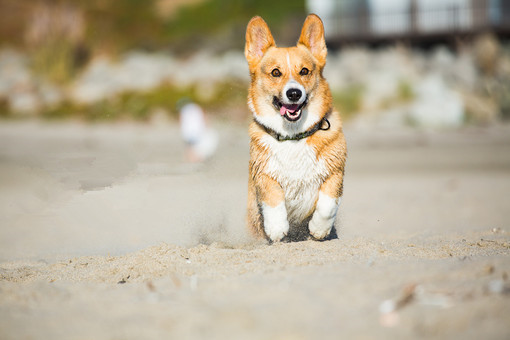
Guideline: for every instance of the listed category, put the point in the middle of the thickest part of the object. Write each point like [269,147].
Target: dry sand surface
[106,234]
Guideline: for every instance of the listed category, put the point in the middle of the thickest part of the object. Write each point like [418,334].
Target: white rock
[49,94]
[138,71]
[436,105]
[24,103]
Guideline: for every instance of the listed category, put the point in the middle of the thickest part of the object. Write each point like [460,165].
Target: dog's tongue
[291,108]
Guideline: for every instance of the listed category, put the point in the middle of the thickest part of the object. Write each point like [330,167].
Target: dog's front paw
[277,234]
[276,224]
[324,216]
[320,228]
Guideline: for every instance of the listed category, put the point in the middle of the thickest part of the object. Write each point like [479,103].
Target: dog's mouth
[291,112]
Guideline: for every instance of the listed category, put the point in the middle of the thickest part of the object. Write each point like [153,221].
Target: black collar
[301,135]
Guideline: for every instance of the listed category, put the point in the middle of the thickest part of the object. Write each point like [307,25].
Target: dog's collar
[318,126]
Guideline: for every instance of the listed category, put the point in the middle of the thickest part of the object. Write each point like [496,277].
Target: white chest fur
[294,165]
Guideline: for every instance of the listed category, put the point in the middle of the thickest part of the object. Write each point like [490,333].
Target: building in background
[417,21]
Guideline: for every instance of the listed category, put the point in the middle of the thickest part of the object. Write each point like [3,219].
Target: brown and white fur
[297,147]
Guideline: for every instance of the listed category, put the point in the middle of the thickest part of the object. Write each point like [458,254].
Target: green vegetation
[349,100]
[228,18]
[405,91]
[404,94]
[115,26]
[4,108]
[61,36]
[54,61]
[140,105]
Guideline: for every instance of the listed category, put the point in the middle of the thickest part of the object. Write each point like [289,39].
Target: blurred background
[390,63]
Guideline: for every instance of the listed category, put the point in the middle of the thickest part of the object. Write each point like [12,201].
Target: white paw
[276,224]
[277,234]
[320,228]
[324,216]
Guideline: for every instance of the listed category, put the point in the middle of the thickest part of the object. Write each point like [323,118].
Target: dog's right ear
[258,40]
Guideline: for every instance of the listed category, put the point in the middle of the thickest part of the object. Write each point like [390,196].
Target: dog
[297,145]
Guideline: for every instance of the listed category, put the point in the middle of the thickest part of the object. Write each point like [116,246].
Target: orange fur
[268,180]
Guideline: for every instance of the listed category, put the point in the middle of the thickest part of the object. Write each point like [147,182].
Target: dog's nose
[294,94]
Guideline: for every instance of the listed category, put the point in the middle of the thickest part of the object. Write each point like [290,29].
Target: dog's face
[286,82]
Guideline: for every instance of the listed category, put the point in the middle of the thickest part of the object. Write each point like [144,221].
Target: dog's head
[288,92]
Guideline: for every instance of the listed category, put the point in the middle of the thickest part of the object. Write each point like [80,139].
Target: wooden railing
[415,23]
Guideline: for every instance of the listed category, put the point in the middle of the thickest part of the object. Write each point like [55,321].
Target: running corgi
[297,147]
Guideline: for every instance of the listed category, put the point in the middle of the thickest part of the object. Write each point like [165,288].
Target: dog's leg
[253,216]
[326,208]
[272,202]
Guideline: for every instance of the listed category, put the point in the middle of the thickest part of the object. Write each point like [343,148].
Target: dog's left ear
[312,36]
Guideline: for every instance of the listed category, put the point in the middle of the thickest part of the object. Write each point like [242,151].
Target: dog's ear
[312,36]
[258,40]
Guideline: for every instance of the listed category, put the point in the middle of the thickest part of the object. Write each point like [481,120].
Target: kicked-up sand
[105,233]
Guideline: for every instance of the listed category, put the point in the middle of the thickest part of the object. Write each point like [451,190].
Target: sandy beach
[105,233]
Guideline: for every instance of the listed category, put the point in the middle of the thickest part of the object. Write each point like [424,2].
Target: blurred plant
[404,94]
[194,25]
[140,106]
[167,9]
[115,26]
[348,100]
[486,50]
[4,108]
[405,91]
[53,35]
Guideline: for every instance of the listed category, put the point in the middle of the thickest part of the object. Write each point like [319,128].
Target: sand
[105,233]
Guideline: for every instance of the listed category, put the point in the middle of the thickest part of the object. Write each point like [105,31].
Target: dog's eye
[304,71]
[276,73]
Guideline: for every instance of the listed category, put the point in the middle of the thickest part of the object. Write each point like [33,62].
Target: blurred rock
[160,117]
[50,95]
[458,70]
[486,50]
[16,82]
[139,71]
[24,92]
[13,71]
[348,67]
[498,91]
[24,103]
[394,85]
[379,86]
[503,67]
[480,110]
[436,105]
[379,73]
[205,67]
[442,59]
[394,117]
[463,72]
[503,88]
[135,72]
